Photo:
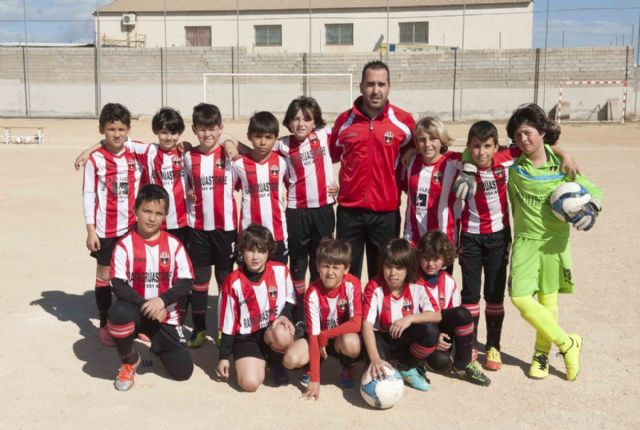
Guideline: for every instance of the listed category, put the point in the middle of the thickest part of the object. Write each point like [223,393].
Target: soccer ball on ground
[567,199]
[384,393]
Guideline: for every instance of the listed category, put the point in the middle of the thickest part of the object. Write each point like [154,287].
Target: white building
[317,25]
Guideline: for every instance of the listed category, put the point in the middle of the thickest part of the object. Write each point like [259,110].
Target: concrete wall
[486,27]
[62,81]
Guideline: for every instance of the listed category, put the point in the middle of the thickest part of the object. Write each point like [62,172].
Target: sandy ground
[55,374]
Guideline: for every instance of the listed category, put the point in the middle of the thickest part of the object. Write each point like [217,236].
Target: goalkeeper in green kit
[540,262]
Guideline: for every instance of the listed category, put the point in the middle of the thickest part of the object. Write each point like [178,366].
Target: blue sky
[585,22]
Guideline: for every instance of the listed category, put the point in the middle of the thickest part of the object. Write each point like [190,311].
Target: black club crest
[388,137]
[437,177]
[164,258]
[342,305]
[407,306]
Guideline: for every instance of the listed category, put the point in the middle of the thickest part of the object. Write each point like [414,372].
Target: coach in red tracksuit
[368,140]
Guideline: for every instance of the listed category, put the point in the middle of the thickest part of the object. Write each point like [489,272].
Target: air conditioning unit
[129,19]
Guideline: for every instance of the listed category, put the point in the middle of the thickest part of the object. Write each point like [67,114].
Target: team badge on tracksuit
[388,137]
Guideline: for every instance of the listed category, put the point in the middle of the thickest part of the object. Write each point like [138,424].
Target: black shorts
[307,226]
[181,234]
[103,255]
[165,338]
[250,345]
[215,247]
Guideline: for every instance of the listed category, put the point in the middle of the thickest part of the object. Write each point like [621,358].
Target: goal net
[239,95]
[592,101]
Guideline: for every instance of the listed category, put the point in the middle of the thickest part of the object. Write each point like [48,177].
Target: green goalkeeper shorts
[538,265]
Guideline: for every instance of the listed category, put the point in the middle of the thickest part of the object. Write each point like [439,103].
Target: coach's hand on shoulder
[313,391]
[586,217]
[465,185]
[222,370]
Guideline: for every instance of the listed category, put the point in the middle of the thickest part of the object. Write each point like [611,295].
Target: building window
[339,34]
[198,36]
[268,35]
[414,32]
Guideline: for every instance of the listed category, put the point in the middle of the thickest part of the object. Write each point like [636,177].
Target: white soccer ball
[385,393]
[567,199]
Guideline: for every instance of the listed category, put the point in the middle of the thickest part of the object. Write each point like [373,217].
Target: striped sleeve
[183,264]
[290,290]
[89,192]
[370,304]
[119,263]
[226,310]
[312,310]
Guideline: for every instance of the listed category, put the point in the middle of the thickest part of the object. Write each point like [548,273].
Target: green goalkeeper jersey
[529,190]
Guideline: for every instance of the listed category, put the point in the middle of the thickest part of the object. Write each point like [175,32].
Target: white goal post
[272,82]
[611,109]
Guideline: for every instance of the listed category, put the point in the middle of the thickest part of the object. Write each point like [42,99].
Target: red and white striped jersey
[430,203]
[110,187]
[245,307]
[381,308]
[164,168]
[151,267]
[310,169]
[210,177]
[443,295]
[263,193]
[488,211]
[331,308]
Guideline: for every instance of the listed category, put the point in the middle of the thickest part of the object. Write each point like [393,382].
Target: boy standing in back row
[111,181]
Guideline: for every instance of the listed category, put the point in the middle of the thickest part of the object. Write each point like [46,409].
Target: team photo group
[162,218]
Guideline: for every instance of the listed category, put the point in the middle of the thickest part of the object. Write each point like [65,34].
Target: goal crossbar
[622,83]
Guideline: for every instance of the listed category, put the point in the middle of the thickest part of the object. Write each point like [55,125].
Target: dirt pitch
[55,374]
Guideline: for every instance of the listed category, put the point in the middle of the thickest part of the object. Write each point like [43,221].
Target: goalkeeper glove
[465,185]
[586,217]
